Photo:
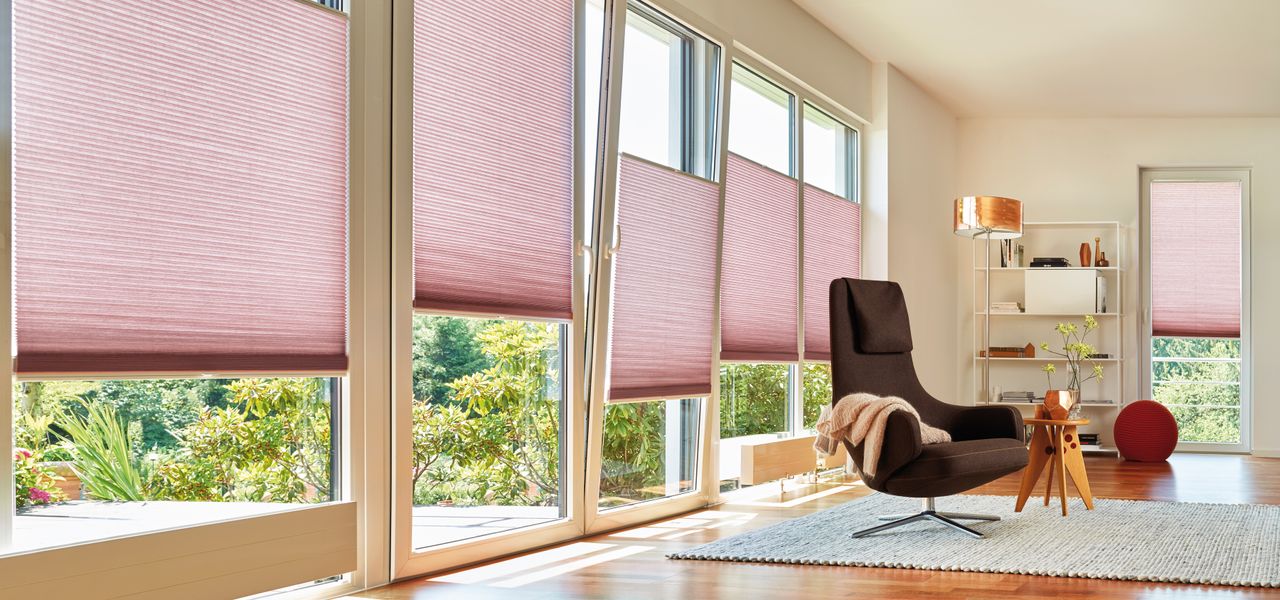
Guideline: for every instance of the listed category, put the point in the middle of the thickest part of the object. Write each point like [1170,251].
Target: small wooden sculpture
[1099,257]
[1085,255]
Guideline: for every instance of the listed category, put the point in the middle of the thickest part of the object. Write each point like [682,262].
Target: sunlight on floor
[583,563]
[531,568]
[781,502]
[518,564]
[682,526]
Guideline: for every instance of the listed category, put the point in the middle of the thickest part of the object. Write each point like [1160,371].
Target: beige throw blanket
[861,418]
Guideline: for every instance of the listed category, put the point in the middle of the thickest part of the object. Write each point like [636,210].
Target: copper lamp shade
[988,216]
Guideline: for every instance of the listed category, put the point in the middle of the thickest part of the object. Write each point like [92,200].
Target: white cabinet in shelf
[1009,329]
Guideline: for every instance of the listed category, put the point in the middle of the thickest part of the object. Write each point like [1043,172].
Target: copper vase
[1059,404]
[1085,255]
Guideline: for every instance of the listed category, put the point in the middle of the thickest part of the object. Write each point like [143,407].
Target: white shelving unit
[1053,239]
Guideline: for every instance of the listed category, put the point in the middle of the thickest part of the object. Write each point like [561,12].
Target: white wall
[1087,169]
[912,178]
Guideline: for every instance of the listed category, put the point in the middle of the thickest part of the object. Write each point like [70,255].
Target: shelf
[1027,314]
[1084,404]
[1071,224]
[1045,359]
[997,269]
[1098,449]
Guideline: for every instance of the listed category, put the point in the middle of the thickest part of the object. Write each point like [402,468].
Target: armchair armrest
[901,445]
[985,422]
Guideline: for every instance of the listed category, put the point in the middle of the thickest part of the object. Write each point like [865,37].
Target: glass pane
[1214,425]
[487,409]
[1199,380]
[650,451]
[753,399]
[1206,370]
[112,458]
[760,121]
[1179,347]
[651,116]
[826,152]
[817,391]
[594,57]
[1197,394]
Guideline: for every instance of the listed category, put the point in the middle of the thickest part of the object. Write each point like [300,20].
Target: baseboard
[1266,453]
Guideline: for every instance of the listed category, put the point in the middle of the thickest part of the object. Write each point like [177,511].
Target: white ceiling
[1075,58]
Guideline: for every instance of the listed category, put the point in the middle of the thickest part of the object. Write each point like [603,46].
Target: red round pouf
[1146,431]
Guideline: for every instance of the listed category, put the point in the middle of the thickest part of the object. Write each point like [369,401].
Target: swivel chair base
[928,513]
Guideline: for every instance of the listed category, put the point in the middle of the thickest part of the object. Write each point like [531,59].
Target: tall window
[666,142]
[767,389]
[1197,341]
[832,239]
[159,237]
[493,268]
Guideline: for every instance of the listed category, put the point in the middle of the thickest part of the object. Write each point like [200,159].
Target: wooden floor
[630,563]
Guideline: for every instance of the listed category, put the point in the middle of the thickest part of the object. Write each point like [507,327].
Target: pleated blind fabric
[493,157]
[664,284]
[180,186]
[1195,258]
[760,279]
[832,249]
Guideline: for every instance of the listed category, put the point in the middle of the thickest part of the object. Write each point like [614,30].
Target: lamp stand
[986,326]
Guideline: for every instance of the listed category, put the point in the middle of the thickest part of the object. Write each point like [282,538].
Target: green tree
[753,399]
[632,450]
[444,349]
[817,391]
[1204,396]
[158,407]
[516,403]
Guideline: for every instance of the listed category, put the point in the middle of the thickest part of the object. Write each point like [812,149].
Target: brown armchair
[871,352]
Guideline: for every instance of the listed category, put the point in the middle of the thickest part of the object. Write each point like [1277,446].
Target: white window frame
[803,98]
[302,540]
[407,561]
[694,160]
[1147,176]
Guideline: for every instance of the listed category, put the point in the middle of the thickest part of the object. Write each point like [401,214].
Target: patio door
[491,180]
[1195,327]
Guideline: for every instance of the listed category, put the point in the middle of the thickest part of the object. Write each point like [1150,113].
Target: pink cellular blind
[180,186]
[663,284]
[1195,258]
[832,249]
[493,157]
[760,279]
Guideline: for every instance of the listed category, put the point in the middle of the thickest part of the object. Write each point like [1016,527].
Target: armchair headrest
[880,317]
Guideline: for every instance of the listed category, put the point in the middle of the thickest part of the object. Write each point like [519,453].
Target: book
[1052,261]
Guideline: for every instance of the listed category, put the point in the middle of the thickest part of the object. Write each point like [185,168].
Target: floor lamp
[991,217]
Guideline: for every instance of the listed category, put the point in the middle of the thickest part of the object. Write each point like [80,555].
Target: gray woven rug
[1178,542]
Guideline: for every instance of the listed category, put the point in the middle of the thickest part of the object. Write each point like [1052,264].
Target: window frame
[1147,176]
[804,98]
[850,159]
[358,425]
[404,559]
[704,160]
[767,87]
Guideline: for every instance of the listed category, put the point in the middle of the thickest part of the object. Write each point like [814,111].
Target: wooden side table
[1055,443]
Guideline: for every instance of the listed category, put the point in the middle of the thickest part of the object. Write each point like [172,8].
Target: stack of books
[1018,397]
[1049,261]
[1006,307]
